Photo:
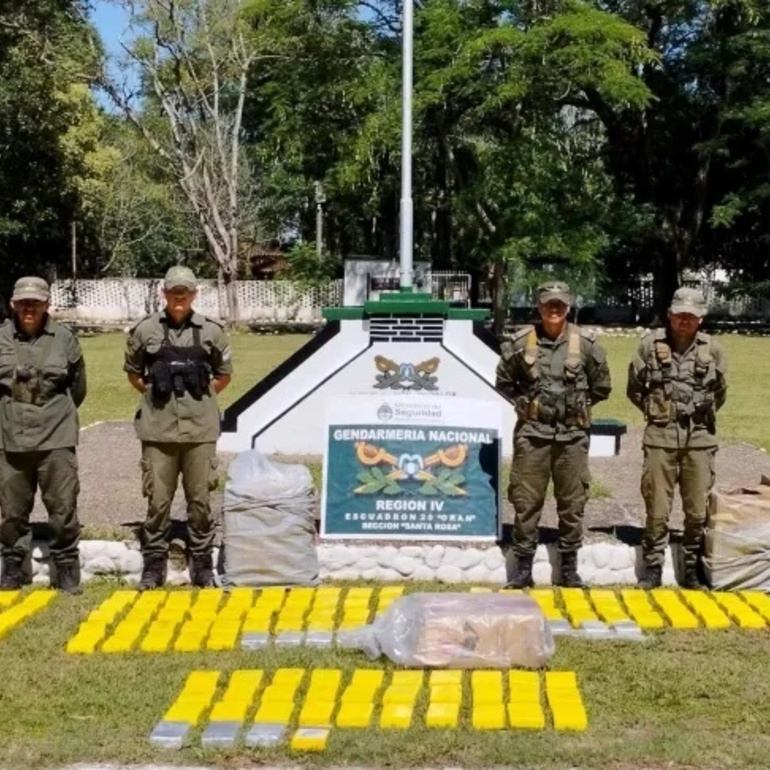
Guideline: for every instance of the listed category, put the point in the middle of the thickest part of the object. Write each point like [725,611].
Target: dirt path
[111,497]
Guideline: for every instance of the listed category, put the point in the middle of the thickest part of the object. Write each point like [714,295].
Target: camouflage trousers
[55,472]
[535,462]
[162,465]
[693,470]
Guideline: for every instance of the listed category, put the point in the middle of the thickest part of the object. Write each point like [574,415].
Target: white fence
[628,302]
[123,300]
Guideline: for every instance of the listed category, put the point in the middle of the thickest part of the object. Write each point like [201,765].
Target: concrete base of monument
[600,563]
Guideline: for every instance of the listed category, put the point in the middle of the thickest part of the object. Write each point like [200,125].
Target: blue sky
[110,21]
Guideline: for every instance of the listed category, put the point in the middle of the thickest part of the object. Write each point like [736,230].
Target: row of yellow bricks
[200,622]
[658,608]
[15,607]
[327,703]
[186,621]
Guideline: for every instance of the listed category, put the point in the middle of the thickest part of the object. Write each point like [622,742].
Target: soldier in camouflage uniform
[678,380]
[42,384]
[554,372]
[179,361]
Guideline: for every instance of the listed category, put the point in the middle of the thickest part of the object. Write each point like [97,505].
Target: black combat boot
[68,579]
[652,578]
[569,574]
[202,571]
[691,579]
[153,573]
[522,574]
[12,578]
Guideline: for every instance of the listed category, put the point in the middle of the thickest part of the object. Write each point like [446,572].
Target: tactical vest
[178,369]
[545,401]
[37,383]
[688,398]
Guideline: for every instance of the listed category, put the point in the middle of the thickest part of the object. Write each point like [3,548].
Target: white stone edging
[601,563]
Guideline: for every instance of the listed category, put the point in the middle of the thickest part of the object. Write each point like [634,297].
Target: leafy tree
[305,268]
[666,156]
[137,213]
[500,171]
[194,58]
[48,60]
[738,237]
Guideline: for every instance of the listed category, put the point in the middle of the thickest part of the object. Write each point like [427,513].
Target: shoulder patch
[588,333]
[141,321]
[521,333]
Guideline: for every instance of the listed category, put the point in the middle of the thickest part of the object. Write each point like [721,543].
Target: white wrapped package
[269,530]
[457,630]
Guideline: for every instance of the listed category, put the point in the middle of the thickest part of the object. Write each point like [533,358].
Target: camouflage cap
[31,287]
[180,276]
[551,290]
[689,301]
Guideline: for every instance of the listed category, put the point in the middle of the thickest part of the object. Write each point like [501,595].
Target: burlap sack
[737,543]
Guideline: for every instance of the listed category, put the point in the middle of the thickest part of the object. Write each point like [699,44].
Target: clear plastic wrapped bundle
[457,630]
[269,530]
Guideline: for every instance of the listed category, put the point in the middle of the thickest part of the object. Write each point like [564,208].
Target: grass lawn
[748,360]
[681,699]
[111,398]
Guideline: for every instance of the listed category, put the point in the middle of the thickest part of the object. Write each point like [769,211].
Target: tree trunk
[477,273]
[231,293]
[441,247]
[499,297]
[665,274]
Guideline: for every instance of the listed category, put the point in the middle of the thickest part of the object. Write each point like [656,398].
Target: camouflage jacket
[678,393]
[182,418]
[43,382]
[553,383]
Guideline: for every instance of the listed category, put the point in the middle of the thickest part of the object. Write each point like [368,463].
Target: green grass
[682,699]
[679,700]
[740,419]
[110,397]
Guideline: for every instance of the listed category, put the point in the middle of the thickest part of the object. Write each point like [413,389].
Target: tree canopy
[612,138]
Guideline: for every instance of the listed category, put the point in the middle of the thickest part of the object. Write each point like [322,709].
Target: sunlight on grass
[741,419]
[254,356]
[110,397]
[681,698]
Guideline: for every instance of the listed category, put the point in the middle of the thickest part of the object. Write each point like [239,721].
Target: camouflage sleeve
[636,388]
[720,389]
[505,375]
[598,374]
[135,352]
[77,370]
[221,353]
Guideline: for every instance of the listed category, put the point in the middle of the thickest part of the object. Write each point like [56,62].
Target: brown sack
[737,542]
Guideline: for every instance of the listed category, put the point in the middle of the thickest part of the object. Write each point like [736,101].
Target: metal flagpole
[407,225]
